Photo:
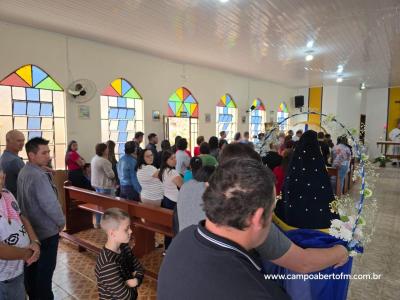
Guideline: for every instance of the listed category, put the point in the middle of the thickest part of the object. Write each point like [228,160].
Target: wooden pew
[80,204]
[348,181]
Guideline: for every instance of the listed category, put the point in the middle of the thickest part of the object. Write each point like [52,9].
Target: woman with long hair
[152,188]
[341,157]
[281,170]
[171,181]
[111,157]
[165,145]
[75,164]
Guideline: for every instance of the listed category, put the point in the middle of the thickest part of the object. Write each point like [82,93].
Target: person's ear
[111,233]
[31,155]
[257,220]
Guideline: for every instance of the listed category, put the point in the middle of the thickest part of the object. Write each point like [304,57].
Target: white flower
[353,253]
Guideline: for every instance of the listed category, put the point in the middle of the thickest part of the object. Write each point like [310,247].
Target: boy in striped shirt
[118,271]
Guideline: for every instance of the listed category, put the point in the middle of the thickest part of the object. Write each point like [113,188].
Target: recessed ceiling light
[309,57]
[339,69]
[339,79]
[310,44]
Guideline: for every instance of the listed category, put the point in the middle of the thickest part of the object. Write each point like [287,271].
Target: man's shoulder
[30,171]
[8,158]
[189,260]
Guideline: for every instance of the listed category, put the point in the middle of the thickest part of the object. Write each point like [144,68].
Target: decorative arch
[226,116]
[257,117]
[32,102]
[121,113]
[183,104]
[281,115]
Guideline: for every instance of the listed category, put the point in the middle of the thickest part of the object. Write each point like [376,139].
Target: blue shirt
[11,164]
[188,176]
[126,168]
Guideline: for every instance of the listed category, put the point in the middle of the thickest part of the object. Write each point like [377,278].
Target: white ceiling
[264,39]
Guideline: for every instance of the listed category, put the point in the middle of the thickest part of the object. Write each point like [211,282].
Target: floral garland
[352,227]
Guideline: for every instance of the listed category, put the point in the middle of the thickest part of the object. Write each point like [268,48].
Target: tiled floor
[74,276]
[382,255]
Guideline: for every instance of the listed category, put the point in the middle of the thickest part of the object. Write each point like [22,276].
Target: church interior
[93,71]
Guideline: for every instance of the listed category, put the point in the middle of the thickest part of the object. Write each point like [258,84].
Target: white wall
[349,106]
[329,100]
[376,118]
[155,79]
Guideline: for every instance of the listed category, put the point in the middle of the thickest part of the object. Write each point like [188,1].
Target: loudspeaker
[298,101]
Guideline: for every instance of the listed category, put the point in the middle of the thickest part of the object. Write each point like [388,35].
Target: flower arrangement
[357,219]
[382,160]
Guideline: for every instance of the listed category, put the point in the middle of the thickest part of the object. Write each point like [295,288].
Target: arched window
[183,111]
[257,117]
[121,113]
[227,116]
[282,114]
[34,103]
[183,104]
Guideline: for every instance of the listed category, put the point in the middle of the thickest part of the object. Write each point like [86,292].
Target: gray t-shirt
[11,164]
[189,204]
[190,212]
[275,246]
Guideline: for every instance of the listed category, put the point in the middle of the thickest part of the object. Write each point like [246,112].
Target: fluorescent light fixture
[310,44]
[309,57]
[339,69]
[339,79]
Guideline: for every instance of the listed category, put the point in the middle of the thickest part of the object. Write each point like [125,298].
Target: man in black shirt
[152,145]
[324,147]
[213,260]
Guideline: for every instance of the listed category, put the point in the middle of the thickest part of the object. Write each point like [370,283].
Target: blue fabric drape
[312,289]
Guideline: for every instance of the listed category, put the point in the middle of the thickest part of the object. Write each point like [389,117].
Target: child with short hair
[118,272]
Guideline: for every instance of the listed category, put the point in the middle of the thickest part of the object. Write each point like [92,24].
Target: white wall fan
[82,90]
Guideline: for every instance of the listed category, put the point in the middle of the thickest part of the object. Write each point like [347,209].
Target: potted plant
[382,160]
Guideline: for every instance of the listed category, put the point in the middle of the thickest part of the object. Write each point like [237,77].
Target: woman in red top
[280,171]
[75,164]
[199,140]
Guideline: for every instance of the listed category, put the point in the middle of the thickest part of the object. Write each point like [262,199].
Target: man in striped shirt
[118,271]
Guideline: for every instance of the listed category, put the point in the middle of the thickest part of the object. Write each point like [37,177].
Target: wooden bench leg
[144,241]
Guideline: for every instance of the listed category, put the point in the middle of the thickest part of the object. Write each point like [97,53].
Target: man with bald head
[10,162]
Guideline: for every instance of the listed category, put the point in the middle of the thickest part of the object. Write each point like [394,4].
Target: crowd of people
[233,186]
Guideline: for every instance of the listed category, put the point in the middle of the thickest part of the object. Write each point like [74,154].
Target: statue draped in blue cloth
[304,215]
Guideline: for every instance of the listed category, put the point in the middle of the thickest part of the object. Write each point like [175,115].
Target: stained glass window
[227,116]
[34,103]
[183,104]
[282,114]
[257,117]
[121,113]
